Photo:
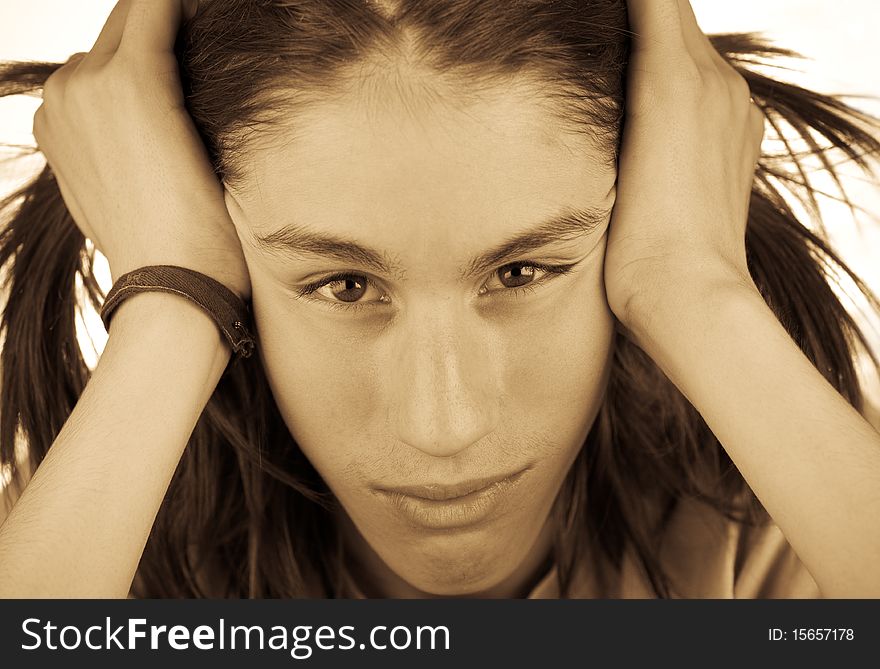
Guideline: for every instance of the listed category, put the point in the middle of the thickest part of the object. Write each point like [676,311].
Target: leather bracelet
[228,310]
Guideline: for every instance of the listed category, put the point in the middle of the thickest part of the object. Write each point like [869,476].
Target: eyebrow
[298,240]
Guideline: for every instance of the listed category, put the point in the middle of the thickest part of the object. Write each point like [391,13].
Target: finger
[658,29]
[73,208]
[151,25]
[53,87]
[111,33]
[698,43]
[758,124]
[706,54]
[701,46]
[39,126]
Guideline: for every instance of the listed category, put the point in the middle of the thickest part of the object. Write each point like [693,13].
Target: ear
[236,212]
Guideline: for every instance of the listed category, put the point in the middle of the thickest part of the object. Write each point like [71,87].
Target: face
[427,288]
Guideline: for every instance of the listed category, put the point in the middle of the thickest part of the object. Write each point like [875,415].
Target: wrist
[228,311]
[167,324]
[230,270]
[667,304]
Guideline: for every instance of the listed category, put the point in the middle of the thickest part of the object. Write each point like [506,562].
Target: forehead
[406,170]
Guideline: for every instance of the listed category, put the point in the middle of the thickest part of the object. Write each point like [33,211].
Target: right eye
[343,291]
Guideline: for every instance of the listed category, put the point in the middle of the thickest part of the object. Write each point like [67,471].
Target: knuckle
[757,123]
[123,62]
[687,77]
[739,87]
[106,82]
[76,79]
[102,80]
[81,64]
[82,81]
[714,86]
[122,70]
[39,125]
[80,87]
[53,86]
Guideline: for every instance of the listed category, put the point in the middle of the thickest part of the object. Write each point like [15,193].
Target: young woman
[516,337]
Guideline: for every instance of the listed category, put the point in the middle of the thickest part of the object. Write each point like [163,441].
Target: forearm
[811,459]
[80,526]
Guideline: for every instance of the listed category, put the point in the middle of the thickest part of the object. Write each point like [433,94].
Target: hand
[128,160]
[690,145]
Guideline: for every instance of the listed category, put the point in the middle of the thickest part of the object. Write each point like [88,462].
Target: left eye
[343,289]
[523,275]
[514,276]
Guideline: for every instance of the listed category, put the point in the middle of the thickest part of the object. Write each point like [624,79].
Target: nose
[445,388]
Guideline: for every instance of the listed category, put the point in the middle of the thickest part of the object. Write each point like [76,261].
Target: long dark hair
[244,498]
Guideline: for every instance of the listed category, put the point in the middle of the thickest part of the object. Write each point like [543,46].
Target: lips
[452,507]
[442,491]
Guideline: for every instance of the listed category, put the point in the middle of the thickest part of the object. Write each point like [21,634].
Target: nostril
[443,428]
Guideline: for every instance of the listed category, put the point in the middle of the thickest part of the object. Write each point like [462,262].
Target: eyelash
[551,271]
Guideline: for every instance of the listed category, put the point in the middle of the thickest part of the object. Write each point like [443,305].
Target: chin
[470,582]
[458,565]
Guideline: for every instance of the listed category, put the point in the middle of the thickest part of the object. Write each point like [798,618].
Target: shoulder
[767,567]
[871,412]
[711,556]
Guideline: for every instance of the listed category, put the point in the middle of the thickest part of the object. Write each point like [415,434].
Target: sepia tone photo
[438,299]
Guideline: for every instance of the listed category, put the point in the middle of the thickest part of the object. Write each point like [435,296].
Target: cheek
[324,384]
[557,371]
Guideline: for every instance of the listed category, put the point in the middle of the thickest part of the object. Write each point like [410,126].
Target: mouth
[450,506]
